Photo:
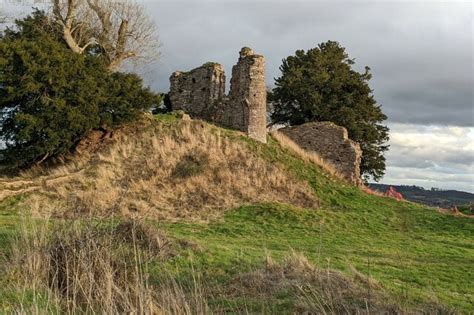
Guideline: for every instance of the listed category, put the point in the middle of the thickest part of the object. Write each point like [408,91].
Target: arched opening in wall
[194,80]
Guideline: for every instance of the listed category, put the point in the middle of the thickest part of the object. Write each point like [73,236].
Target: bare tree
[3,18]
[120,28]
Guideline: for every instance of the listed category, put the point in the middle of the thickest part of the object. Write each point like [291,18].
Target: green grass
[416,253]
[400,245]
[9,220]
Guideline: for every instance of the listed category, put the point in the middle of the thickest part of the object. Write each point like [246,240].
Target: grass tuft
[85,267]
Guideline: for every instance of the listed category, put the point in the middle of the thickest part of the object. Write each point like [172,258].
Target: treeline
[431,197]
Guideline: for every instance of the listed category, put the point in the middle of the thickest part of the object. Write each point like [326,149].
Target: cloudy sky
[420,53]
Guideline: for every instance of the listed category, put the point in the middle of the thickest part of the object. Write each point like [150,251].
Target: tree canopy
[51,97]
[321,85]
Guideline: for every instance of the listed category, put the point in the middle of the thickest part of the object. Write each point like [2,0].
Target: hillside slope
[175,169]
[261,225]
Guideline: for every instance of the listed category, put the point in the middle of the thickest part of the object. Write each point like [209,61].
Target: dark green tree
[125,98]
[165,106]
[51,97]
[321,85]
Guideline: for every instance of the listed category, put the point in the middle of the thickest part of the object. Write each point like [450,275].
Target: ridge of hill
[225,224]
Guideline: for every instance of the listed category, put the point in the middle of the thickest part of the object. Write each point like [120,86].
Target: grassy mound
[357,253]
[175,170]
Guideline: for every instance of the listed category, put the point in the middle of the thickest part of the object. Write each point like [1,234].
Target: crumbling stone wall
[201,94]
[198,91]
[247,104]
[332,143]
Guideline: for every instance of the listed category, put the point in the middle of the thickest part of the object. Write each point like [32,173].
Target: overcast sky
[420,53]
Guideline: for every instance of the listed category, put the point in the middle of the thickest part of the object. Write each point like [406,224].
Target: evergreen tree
[50,97]
[320,85]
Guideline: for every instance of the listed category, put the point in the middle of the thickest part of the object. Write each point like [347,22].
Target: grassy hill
[181,217]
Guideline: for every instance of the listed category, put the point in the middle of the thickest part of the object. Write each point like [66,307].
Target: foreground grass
[419,255]
[402,248]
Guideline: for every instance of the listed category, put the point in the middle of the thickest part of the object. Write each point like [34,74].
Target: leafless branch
[120,27]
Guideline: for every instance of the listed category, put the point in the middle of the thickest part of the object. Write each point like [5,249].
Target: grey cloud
[420,55]
[403,156]
[431,156]
[398,161]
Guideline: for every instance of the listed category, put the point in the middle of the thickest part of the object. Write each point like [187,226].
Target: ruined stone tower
[201,94]
[248,97]
[198,91]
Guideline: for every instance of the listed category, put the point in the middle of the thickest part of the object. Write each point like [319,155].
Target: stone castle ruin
[248,96]
[201,94]
[332,143]
[199,91]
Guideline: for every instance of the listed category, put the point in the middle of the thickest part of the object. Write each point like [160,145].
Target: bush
[51,97]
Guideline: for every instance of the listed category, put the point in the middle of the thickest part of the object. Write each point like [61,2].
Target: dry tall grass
[82,268]
[79,267]
[322,290]
[192,170]
[316,290]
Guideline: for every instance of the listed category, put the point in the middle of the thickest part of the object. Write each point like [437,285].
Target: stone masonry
[332,143]
[201,94]
[247,106]
[198,91]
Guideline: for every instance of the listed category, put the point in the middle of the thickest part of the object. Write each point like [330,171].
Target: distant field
[432,197]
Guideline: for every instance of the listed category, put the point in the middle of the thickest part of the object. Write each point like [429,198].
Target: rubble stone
[198,91]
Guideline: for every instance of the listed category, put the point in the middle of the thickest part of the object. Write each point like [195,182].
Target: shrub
[50,97]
